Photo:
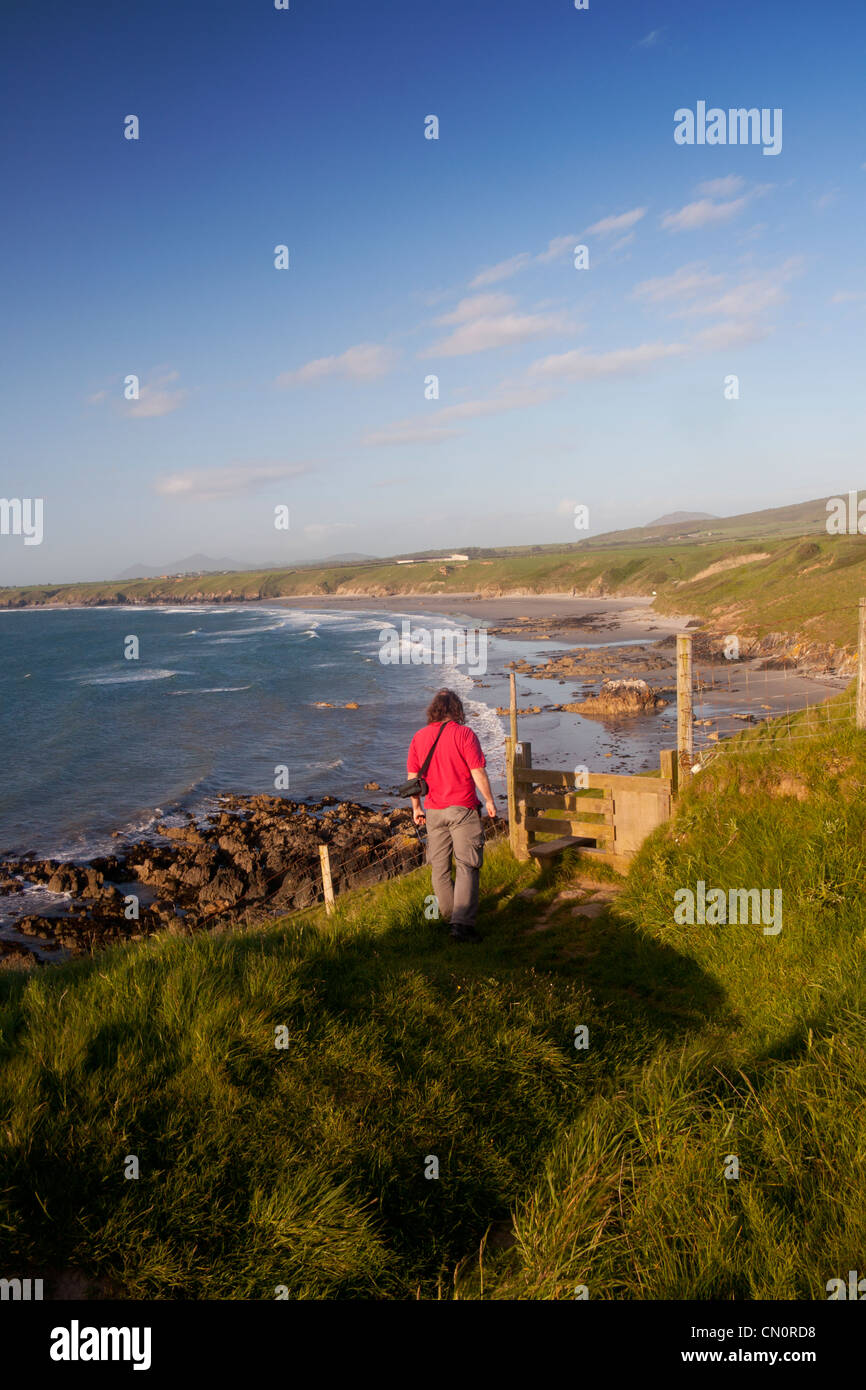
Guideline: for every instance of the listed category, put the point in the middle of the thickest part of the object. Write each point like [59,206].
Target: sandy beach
[562,647]
[536,633]
[560,617]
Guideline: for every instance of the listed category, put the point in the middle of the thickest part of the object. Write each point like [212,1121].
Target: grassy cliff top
[308,1166]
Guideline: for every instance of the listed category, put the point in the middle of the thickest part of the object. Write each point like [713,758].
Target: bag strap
[426,763]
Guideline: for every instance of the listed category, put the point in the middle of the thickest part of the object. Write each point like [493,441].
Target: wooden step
[550,847]
[597,830]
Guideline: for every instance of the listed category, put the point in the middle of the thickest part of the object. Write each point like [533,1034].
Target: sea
[112,719]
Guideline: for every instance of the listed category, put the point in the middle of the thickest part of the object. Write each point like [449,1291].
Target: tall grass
[301,1166]
[638,1199]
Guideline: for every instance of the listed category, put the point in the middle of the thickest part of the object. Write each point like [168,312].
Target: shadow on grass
[423,1083]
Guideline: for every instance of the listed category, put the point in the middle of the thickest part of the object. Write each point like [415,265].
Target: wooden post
[861,666]
[510,755]
[512,681]
[685,732]
[670,768]
[523,837]
[327,883]
[511,789]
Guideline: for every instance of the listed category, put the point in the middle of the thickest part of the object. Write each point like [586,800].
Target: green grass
[634,1202]
[304,1167]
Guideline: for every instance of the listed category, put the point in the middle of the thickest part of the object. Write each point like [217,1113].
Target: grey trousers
[456,831]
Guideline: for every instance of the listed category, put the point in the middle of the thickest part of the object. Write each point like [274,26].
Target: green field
[304,1167]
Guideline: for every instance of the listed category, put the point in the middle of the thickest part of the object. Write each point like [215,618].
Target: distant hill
[671,518]
[206,564]
[801,519]
[193,564]
[349,557]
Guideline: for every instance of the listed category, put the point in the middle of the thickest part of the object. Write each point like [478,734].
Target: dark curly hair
[445,705]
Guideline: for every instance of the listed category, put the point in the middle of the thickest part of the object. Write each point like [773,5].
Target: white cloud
[753,296]
[489,331]
[156,397]
[620,222]
[502,271]
[365,362]
[689,280]
[621,242]
[477,305]
[556,247]
[204,483]
[848,297]
[579,365]
[747,300]
[752,233]
[722,188]
[707,211]
[511,398]
[702,213]
[651,39]
[432,430]
[735,333]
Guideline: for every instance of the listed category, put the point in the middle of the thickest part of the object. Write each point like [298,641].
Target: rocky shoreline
[254,859]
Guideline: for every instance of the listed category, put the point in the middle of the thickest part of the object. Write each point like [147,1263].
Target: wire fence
[756,693]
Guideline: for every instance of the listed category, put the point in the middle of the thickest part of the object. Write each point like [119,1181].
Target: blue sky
[409,257]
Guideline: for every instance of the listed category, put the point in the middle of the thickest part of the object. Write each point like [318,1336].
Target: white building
[434,560]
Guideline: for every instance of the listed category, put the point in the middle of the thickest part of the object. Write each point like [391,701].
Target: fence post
[511,762]
[523,838]
[327,883]
[669,768]
[685,734]
[511,789]
[861,667]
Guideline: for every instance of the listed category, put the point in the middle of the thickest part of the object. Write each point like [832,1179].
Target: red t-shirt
[448,776]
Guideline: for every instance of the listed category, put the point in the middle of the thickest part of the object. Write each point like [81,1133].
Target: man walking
[452,812]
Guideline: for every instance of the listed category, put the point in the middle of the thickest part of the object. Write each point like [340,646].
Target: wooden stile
[552,825]
[626,810]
